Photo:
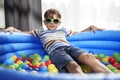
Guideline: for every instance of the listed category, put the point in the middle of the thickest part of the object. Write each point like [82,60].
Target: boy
[61,53]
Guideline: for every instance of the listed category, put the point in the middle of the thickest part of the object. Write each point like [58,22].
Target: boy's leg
[95,65]
[63,60]
[73,67]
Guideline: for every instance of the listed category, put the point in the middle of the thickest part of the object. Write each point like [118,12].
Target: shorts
[63,55]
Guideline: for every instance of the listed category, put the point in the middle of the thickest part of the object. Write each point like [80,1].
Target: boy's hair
[51,12]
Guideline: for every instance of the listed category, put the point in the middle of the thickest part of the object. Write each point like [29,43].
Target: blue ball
[43,69]
[9,61]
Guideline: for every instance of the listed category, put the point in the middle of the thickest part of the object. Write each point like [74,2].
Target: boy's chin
[52,28]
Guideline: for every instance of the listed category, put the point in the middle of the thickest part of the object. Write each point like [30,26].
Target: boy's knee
[72,65]
[91,59]
[89,56]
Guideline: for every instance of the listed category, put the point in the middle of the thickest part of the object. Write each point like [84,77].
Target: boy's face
[52,23]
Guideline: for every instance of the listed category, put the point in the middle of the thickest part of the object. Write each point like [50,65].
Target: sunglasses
[49,20]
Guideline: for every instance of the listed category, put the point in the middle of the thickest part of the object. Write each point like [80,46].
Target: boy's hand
[94,28]
[9,29]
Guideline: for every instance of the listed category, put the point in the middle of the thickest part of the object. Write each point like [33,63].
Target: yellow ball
[51,66]
[11,67]
[86,68]
[54,70]
[105,59]
[116,71]
[109,66]
[26,62]
[14,57]
[19,62]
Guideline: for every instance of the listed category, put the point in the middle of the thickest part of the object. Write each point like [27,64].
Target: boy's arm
[12,29]
[92,27]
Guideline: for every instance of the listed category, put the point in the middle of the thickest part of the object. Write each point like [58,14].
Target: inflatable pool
[106,42]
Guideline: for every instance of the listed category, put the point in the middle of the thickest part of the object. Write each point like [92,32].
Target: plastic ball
[34,72]
[37,57]
[9,61]
[116,71]
[105,59]
[16,66]
[24,66]
[23,55]
[109,66]
[112,69]
[51,66]
[55,70]
[43,69]
[18,59]
[96,56]
[42,64]
[118,67]
[116,54]
[35,66]
[118,59]
[86,68]
[101,55]
[46,57]
[14,57]
[115,64]
[8,56]
[34,62]
[22,70]
[26,62]
[42,60]
[112,60]
[30,60]
[107,63]
[19,62]
[11,67]
[48,62]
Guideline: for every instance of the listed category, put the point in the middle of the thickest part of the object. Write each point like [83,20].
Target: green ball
[16,66]
[116,54]
[113,69]
[118,59]
[23,55]
[46,57]
[35,61]
[31,56]
[101,55]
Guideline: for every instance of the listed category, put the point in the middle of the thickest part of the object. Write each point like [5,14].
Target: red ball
[118,67]
[30,60]
[29,64]
[18,59]
[48,62]
[42,64]
[35,66]
[115,64]
[112,60]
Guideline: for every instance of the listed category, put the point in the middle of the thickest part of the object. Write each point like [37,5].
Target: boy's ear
[60,22]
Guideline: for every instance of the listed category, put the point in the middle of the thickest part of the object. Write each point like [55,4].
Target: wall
[79,14]
[2,18]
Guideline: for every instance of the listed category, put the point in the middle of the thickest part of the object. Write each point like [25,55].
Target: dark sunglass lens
[56,21]
[48,20]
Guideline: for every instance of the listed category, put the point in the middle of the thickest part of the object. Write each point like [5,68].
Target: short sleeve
[68,31]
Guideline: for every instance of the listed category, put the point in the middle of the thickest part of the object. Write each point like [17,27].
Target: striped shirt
[52,39]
